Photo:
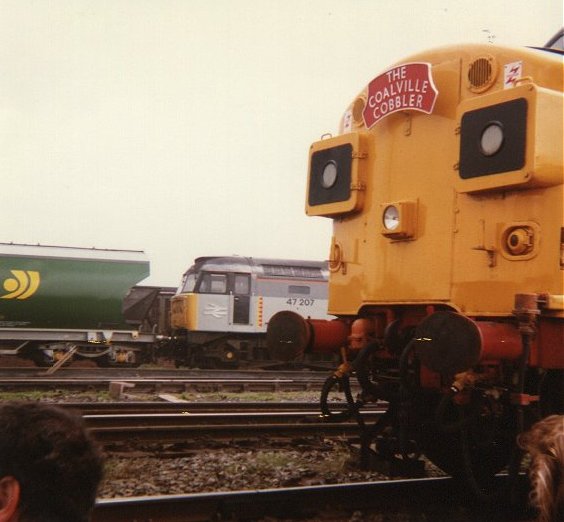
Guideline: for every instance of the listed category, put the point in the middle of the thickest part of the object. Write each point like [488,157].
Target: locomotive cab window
[241,284]
[212,283]
[189,283]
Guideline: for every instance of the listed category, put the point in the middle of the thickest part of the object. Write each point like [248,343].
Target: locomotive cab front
[445,187]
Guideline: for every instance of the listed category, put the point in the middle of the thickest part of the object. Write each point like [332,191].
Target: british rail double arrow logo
[22,286]
[215,310]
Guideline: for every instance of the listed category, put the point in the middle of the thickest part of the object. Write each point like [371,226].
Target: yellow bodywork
[184,311]
[469,244]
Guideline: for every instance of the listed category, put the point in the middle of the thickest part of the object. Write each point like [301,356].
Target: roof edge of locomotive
[250,264]
[473,47]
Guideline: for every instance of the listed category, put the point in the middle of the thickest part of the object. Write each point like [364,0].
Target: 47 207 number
[300,301]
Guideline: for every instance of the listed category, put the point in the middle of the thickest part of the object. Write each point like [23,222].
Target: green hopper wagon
[56,301]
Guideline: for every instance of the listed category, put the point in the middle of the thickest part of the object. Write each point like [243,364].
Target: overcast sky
[182,128]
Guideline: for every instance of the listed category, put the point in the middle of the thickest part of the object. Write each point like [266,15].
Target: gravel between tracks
[230,469]
[147,470]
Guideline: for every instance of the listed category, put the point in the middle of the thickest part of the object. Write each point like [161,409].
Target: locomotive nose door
[241,298]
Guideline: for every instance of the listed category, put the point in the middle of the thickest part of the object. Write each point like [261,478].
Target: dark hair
[54,459]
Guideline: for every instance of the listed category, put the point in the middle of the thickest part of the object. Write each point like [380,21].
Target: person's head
[545,443]
[50,467]
[362,334]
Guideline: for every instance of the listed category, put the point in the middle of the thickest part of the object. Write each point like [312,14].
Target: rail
[151,407]
[438,498]
[182,427]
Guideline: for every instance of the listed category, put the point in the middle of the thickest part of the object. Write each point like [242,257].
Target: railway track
[161,381]
[159,373]
[437,499]
[152,407]
[223,423]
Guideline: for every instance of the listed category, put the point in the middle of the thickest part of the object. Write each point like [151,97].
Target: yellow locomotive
[445,186]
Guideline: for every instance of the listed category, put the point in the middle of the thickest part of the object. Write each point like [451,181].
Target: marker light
[391,217]
[399,220]
[492,138]
[329,175]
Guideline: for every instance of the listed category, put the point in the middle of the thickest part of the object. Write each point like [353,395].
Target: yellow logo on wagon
[23,285]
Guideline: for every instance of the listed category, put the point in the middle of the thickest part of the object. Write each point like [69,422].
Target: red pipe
[499,341]
[328,336]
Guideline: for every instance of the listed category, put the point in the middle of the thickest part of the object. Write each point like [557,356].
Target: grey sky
[182,128]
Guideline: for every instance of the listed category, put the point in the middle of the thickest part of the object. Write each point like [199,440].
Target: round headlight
[329,174]
[491,139]
[391,217]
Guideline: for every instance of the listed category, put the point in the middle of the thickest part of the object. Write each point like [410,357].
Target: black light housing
[493,139]
[330,175]
[338,169]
